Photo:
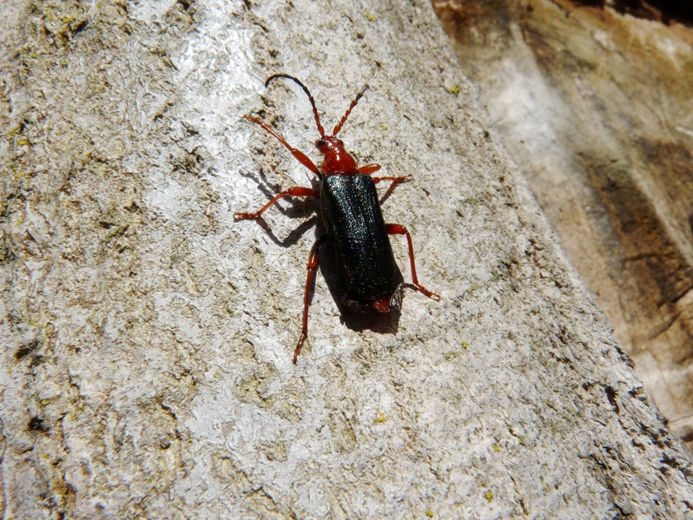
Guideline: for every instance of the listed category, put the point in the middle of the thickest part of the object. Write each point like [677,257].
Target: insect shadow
[295,208]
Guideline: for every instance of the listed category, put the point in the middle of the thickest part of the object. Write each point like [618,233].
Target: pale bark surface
[146,368]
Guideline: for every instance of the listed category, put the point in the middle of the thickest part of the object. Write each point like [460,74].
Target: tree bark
[148,337]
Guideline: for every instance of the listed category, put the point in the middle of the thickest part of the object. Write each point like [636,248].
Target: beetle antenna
[310,97]
[351,107]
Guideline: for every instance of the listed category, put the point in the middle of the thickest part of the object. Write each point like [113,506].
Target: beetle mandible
[369,276]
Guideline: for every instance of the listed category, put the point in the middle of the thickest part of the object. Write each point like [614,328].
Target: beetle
[370,279]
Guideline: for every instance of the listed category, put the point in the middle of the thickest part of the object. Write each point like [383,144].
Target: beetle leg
[398,229]
[395,180]
[296,191]
[300,156]
[312,266]
[369,169]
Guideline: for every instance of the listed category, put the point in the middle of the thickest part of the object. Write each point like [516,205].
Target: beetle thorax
[337,160]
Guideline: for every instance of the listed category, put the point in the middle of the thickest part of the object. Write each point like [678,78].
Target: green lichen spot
[496,447]
[489,495]
[454,89]
[370,17]
[429,513]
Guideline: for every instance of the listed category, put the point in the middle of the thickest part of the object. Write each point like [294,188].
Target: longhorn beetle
[369,276]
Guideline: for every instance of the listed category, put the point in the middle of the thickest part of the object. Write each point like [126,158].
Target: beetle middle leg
[312,267]
[296,191]
[398,229]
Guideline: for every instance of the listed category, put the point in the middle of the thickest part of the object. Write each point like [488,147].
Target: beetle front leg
[395,180]
[296,191]
[298,154]
[398,229]
[369,169]
[312,266]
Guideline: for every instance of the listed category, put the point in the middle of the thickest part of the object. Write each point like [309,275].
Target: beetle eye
[319,143]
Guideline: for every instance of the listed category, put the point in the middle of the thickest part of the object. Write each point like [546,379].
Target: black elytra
[368,271]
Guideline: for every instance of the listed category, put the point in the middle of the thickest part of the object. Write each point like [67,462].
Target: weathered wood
[594,107]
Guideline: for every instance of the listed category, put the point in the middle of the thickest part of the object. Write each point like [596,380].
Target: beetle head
[337,160]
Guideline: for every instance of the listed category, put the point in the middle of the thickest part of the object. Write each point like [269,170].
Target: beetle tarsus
[245,216]
[423,290]
[299,346]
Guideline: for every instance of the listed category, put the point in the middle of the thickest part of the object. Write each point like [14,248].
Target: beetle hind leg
[312,267]
[398,229]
